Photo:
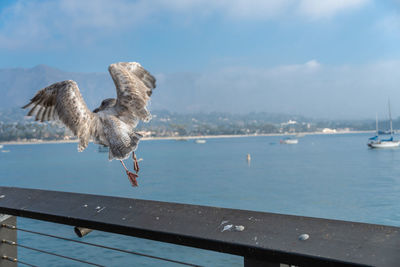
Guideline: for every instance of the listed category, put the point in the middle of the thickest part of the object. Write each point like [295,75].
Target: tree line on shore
[14,126]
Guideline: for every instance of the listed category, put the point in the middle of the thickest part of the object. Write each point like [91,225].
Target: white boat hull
[384,144]
[290,141]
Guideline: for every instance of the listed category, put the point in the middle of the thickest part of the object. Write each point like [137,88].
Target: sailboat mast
[390,118]
[376,124]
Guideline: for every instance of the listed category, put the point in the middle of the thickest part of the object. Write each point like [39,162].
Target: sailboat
[377,142]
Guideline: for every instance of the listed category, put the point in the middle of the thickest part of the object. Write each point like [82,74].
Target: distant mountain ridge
[183,93]
[18,85]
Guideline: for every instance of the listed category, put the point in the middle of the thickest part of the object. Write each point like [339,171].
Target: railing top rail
[259,235]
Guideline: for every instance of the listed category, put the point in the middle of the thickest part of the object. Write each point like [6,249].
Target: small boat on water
[1,146]
[383,143]
[289,141]
[377,142]
[200,141]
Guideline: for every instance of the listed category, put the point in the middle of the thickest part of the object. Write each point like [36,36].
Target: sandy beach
[31,142]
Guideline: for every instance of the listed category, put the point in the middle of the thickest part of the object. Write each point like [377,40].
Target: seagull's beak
[96,110]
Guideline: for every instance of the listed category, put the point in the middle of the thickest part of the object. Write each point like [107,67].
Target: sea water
[326,176]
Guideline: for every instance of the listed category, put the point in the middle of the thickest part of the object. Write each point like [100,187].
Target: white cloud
[34,23]
[31,24]
[262,9]
[256,9]
[389,25]
[313,64]
[308,66]
[317,9]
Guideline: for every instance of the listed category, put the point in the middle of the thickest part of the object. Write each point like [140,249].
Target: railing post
[8,253]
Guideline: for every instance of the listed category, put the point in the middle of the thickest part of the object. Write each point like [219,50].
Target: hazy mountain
[179,92]
[18,85]
[174,92]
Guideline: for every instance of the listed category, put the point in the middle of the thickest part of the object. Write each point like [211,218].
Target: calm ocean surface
[327,176]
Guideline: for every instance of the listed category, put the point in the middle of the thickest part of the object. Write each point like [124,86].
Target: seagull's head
[106,103]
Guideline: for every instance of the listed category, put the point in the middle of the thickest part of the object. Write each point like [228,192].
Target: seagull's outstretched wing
[63,101]
[134,87]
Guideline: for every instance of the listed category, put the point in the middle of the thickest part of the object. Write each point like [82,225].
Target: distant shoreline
[185,137]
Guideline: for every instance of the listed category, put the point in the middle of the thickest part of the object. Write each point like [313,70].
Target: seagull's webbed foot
[131,176]
[135,162]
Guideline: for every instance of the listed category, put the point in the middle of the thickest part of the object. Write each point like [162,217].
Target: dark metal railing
[13,227]
[263,239]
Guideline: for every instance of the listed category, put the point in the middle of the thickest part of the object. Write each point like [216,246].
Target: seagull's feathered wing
[63,101]
[134,87]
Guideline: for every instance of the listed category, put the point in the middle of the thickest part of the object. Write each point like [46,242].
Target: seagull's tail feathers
[122,150]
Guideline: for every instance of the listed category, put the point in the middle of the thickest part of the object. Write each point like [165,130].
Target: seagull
[113,123]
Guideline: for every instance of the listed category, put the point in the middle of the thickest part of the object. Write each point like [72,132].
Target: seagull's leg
[132,176]
[135,162]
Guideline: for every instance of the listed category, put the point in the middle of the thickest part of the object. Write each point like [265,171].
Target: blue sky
[331,58]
